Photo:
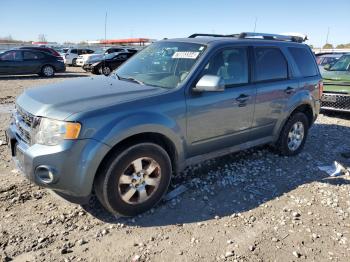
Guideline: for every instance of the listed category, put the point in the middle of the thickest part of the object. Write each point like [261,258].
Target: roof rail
[212,35]
[293,38]
[280,37]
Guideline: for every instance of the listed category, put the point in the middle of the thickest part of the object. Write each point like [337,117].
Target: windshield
[163,64]
[343,64]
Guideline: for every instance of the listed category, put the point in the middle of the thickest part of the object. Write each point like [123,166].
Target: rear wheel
[133,181]
[293,135]
[47,71]
[74,62]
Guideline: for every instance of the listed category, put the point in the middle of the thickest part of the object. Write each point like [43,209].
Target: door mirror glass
[210,83]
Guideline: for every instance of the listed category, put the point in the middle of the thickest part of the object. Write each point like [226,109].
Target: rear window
[304,60]
[270,64]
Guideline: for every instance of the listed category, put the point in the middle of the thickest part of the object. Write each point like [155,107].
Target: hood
[60,100]
[336,81]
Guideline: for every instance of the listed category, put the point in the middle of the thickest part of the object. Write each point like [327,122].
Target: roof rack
[293,38]
[282,37]
[212,35]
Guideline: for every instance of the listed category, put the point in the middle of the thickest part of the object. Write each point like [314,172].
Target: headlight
[52,132]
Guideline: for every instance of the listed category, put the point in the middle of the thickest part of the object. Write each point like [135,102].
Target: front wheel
[293,135]
[105,70]
[133,181]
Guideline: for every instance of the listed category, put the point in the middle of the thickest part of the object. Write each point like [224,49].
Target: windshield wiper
[130,79]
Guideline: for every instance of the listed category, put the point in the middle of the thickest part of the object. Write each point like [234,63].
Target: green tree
[328,46]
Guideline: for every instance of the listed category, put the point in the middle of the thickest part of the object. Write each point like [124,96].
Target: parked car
[330,59]
[125,136]
[98,56]
[30,61]
[336,95]
[72,54]
[44,49]
[108,64]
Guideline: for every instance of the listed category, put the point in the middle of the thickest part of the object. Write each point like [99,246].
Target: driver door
[11,62]
[216,120]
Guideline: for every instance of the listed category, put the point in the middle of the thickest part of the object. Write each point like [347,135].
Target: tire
[105,70]
[118,186]
[74,62]
[47,71]
[294,132]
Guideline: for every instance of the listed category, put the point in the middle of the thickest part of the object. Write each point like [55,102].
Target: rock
[229,241]
[252,248]
[296,214]
[229,254]
[274,239]
[296,254]
[136,258]
[41,239]
[81,242]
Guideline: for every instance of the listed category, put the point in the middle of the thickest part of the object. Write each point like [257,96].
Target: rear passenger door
[274,88]
[32,61]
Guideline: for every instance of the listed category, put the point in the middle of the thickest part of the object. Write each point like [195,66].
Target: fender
[143,122]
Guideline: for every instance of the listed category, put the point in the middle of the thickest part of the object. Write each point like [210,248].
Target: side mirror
[327,67]
[210,83]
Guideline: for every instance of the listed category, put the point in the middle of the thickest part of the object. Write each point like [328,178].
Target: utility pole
[256,19]
[327,36]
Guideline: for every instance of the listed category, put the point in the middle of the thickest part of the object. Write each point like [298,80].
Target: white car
[72,54]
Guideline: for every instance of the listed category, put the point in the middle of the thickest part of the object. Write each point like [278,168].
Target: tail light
[320,88]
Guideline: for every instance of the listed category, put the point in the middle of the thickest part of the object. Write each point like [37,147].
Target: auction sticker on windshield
[186,55]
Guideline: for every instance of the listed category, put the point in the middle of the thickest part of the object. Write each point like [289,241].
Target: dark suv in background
[173,104]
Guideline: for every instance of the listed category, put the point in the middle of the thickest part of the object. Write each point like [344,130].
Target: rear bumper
[335,102]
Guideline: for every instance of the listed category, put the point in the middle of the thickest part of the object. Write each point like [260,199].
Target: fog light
[45,174]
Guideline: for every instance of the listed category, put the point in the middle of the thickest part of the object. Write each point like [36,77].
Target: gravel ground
[249,206]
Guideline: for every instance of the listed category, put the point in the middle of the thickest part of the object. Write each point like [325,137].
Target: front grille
[335,101]
[25,124]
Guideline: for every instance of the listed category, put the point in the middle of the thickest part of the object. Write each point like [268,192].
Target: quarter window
[231,65]
[270,64]
[304,60]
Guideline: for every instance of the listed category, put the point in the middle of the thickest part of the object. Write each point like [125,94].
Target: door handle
[242,100]
[289,90]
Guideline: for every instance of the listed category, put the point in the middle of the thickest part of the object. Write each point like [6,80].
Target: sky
[81,20]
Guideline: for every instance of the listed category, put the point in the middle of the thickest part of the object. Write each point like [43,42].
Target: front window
[343,64]
[163,64]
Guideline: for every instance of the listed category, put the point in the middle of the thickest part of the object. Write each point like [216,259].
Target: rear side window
[270,64]
[304,60]
[27,55]
[74,51]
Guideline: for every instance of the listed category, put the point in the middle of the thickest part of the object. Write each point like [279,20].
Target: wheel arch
[151,137]
[304,107]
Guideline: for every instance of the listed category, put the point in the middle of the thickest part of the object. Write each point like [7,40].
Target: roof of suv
[246,38]
[220,40]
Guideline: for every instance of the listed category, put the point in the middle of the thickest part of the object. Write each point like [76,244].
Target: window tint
[11,56]
[231,65]
[270,64]
[90,51]
[31,55]
[74,51]
[304,60]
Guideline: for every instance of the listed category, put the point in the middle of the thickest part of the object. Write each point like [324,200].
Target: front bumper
[335,102]
[73,164]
